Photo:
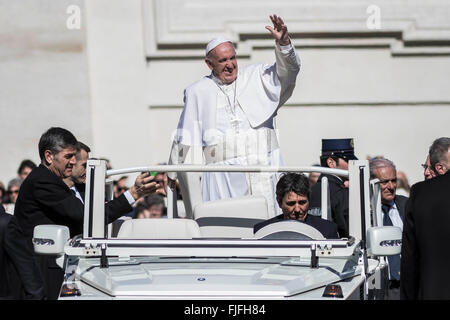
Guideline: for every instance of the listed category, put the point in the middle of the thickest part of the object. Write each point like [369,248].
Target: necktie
[386,219]
[394,261]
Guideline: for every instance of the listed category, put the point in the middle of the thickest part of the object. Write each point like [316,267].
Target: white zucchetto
[214,43]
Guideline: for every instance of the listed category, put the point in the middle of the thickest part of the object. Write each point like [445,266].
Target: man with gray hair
[440,155]
[230,115]
[393,207]
[424,263]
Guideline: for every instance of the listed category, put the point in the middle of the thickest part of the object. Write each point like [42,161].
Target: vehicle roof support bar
[325,208]
[95,226]
[355,204]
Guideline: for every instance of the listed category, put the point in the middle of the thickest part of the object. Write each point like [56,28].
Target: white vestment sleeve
[188,132]
[288,67]
[265,88]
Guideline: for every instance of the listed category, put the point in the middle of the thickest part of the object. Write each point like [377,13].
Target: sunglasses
[13,191]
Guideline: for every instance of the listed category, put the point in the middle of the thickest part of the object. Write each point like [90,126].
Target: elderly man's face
[388,183]
[428,173]
[294,206]
[223,62]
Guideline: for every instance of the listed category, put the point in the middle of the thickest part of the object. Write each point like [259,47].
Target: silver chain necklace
[231,109]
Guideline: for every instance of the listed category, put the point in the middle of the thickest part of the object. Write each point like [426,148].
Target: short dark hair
[293,182]
[82,146]
[24,164]
[154,199]
[438,151]
[55,139]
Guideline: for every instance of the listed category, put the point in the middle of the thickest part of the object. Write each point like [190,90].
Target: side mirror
[384,241]
[50,239]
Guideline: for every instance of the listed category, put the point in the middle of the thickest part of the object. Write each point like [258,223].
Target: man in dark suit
[425,260]
[393,207]
[45,199]
[293,198]
[19,273]
[335,155]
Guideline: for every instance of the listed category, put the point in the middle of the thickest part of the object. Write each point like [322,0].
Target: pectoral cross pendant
[235,123]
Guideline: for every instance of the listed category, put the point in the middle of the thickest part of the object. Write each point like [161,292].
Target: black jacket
[19,274]
[400,202]
[426,234]
[339,201]
[327,228]
[44,198]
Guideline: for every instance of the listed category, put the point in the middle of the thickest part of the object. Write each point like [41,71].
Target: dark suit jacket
[44,198]
[19,274]
[327,228]
[339,201]
[400,202]
[426,234]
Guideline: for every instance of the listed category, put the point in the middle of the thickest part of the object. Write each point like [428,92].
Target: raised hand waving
[279,30]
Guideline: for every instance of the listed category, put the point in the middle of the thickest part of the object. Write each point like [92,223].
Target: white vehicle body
[164,264]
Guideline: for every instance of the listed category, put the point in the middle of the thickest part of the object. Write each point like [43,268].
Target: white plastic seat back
[159,229]
[289,227]
[231,218]
[114,227]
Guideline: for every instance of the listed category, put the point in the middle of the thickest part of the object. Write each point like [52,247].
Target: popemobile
[210,252]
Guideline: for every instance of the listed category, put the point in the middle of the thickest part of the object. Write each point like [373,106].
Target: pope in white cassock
[230,114]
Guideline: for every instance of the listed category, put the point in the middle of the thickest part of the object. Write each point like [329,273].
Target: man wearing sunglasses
[293,198]
[428,172]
